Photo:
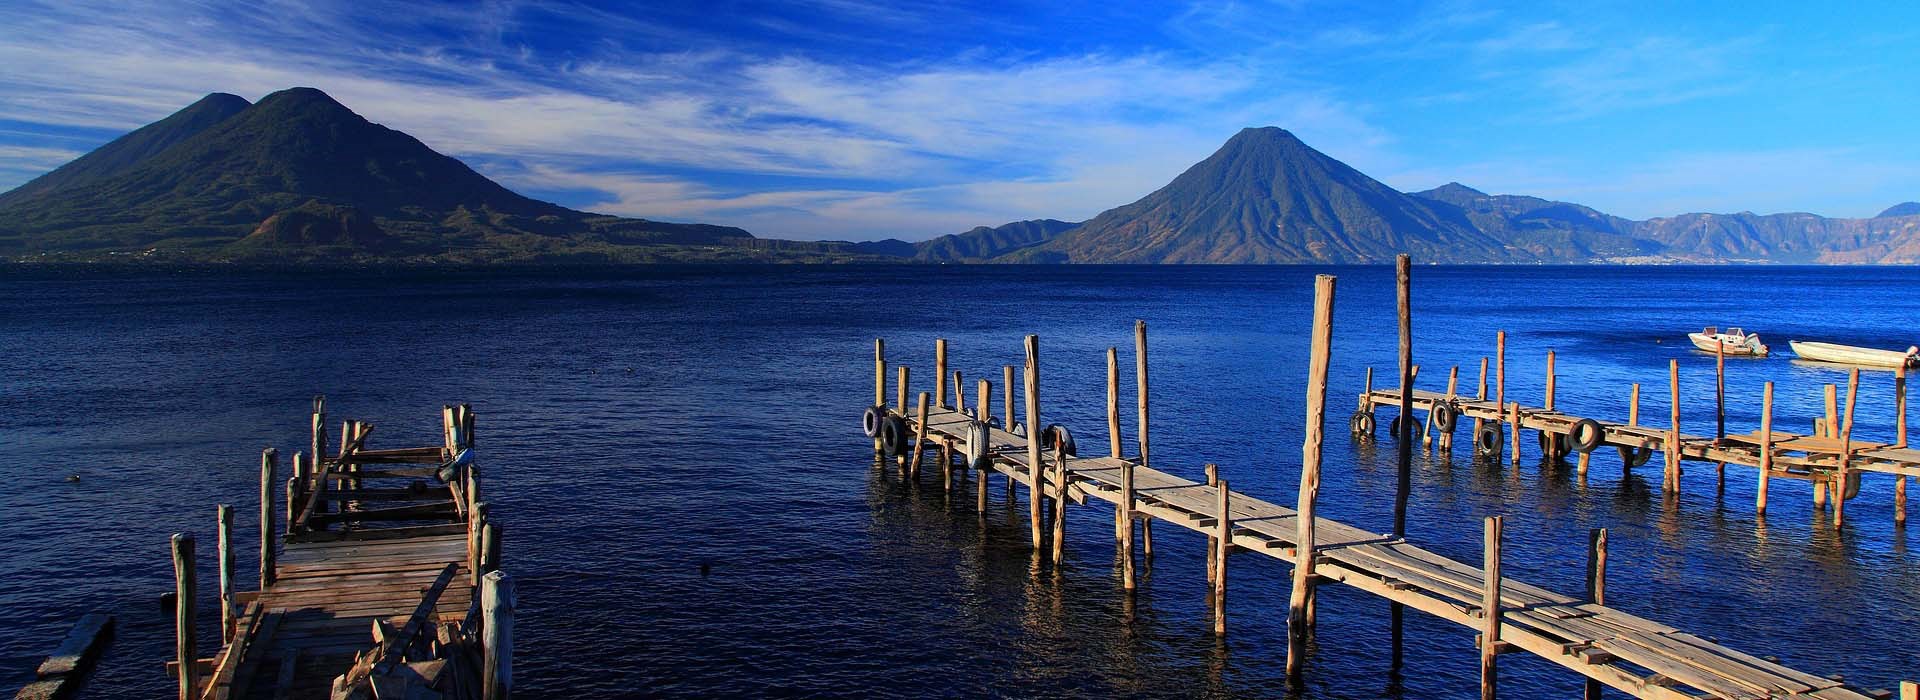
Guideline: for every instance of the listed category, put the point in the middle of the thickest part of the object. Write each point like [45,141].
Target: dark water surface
[636,424]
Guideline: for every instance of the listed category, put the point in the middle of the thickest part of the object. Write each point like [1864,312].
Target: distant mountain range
[300,177]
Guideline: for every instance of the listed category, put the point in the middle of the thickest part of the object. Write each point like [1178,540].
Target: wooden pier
[1610,647]
[384,582]
[1832,456]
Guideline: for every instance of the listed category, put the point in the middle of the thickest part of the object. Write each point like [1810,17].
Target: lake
[637,424]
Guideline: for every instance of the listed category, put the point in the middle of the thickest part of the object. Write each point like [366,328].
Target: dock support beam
[1223,543]
[1766,449]
[1596,587]
[184,634]
[1671,482]
[1403,281]
[496,614]
[1490,611]
[919,436]
[1310,452]
[224,545]
[1036,483]
[268,457]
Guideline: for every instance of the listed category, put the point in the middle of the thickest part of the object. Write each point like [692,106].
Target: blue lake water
[637,423]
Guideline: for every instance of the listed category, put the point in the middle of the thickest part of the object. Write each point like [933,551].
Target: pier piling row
[384,583]
[1830,456]
[1608,646]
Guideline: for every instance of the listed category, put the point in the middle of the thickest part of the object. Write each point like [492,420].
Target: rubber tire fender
[1486,442]
[1586,435]
[979,444]
[1548,445]
[1445,417]
[1635,456]
[1056,436]
[893,436]
[871,420]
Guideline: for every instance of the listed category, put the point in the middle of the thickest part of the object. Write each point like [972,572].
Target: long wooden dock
[1832,457]
[1610,647]
[384,582]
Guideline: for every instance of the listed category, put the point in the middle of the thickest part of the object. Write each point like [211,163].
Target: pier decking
[371,590]
[1610,647]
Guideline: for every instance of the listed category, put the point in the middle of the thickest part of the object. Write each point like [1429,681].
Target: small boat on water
[1850,355]
[1732,342]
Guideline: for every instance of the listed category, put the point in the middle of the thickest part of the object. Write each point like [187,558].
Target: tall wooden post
[1552,441]
[1213,546]
[1766,449]
[1310,453]
[1840,485]
[496,614]
[900,391]
[940,372]
[1006,405]
[959,392]
[1633,406]
[1223,543]
[1500,385]
[267,459]
[1121,516]
[1671,483]
[224,543]
[981,471]
[1490,610]
[919,437]
[184,634]
[879,372]
[1403,282]
[1513,416]
[1900,407]
[1140,389]
[1059,504]
[1481,396]
[1596,586]
[476,520]
[1036,483]
[1551,375]
[1720,394]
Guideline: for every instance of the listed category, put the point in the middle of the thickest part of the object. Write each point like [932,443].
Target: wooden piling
[1059,505]
[1909,690]
[1720,395]
[1121,515]
[267,459]
[1036,484]
[489,547]
[1141,392]
[1596,587]
[1490,610]
[1766,448]
[1213,479]
[1841,483]
[959,392]
[224,549]
[185,650]
[1006,406]
[1223,542]
[1633,406]
[1513,417]
[1403,282]
[1500,369]
[940,372]
[919,438]
[496,614]
[1310,453]
[1481,396]
[1552,441]
[1832,429]
[879,372]
[1551,375]
[900,391]
[980,474]
[1671,482]
[1900,407]
[476,519]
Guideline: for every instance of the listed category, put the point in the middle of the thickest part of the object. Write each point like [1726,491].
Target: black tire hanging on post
[1057,437]
[1445,416]
[871,420]
[1486,442]
[1635,456]
[1393,427]
[1586,435]
[1365,421]
[893,436]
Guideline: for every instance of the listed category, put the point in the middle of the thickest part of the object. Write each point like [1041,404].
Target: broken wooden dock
[1608,646]
[1832,457]
[384,582]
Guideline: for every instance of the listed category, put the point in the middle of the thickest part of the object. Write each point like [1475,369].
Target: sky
[861,120]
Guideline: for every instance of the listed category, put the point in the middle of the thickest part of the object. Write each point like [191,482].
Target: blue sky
[859,120]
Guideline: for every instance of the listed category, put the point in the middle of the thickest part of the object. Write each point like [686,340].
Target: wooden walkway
[370,592]
[1629,653]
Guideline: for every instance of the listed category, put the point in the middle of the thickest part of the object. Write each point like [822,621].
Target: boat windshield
[1735,331]
[1712,330]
